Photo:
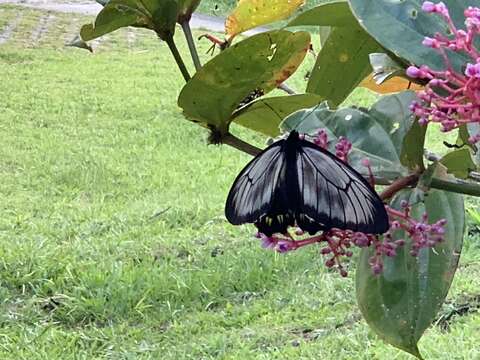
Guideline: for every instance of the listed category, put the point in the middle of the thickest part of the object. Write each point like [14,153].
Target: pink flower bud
[325,251]
[473,70]
[428,7]
[377,269]
[365,162]
[431,43]
[413,72]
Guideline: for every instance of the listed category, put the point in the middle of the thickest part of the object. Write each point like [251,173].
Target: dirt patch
[42,28]
[6,32]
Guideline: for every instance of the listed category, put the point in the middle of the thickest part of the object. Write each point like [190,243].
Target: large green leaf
[413,146]
[261,62]
[342,63]
[401,302]
[335,13]
[376,134]
[459,163]
[159,16]
[265,115]
[185,8]
[400,26]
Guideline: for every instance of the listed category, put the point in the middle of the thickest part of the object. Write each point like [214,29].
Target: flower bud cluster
[450,98]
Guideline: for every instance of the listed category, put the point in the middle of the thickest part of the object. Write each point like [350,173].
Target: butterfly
[294,182]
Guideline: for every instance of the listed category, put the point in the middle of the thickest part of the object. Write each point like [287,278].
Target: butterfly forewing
[258,187]
[335,195]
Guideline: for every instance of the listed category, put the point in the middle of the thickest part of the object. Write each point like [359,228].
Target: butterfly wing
[333,194]
[259,187]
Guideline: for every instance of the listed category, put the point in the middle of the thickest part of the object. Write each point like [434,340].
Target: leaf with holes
[259,63]
[402,302]
[265,115]
[252,13]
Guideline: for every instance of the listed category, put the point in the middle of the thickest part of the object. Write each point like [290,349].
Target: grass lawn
[113,243]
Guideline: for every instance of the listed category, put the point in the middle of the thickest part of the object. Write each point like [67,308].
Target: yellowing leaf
[395,84]
[252,13]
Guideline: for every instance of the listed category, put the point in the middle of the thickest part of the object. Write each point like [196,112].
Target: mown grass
[113,243]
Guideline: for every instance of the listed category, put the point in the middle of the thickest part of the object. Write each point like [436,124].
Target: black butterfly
[293,182]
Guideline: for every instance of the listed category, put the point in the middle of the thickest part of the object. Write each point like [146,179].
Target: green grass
[113,243]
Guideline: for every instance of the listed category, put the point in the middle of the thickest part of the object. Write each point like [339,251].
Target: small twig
[398,185]
[241,145]
[159,213]
[178,58]
[191,44]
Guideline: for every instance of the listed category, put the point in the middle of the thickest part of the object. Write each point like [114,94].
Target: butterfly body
[293,182]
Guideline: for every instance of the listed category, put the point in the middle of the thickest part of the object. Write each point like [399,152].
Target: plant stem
[457,186]
[191,44]
[178,58]
[398,185]
[241,145]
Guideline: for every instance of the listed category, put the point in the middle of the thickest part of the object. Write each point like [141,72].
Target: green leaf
[376,133]
[459,163]
[186,9]
[413,143]
[159,16]
[384,67]
[164,15]
[346,52]
[324,32]
[116,14]
[335,13]
[400,26]
[261,62]
[402,302]
[79,43]
[265,115]
[252,13]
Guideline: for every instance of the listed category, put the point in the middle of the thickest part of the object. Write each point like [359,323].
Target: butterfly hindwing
[333,194]
[258,188]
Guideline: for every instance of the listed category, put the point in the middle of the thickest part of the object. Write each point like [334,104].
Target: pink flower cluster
[450,98]
[338,243]
[342,147]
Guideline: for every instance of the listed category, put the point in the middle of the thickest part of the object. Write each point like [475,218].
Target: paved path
[199,21]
